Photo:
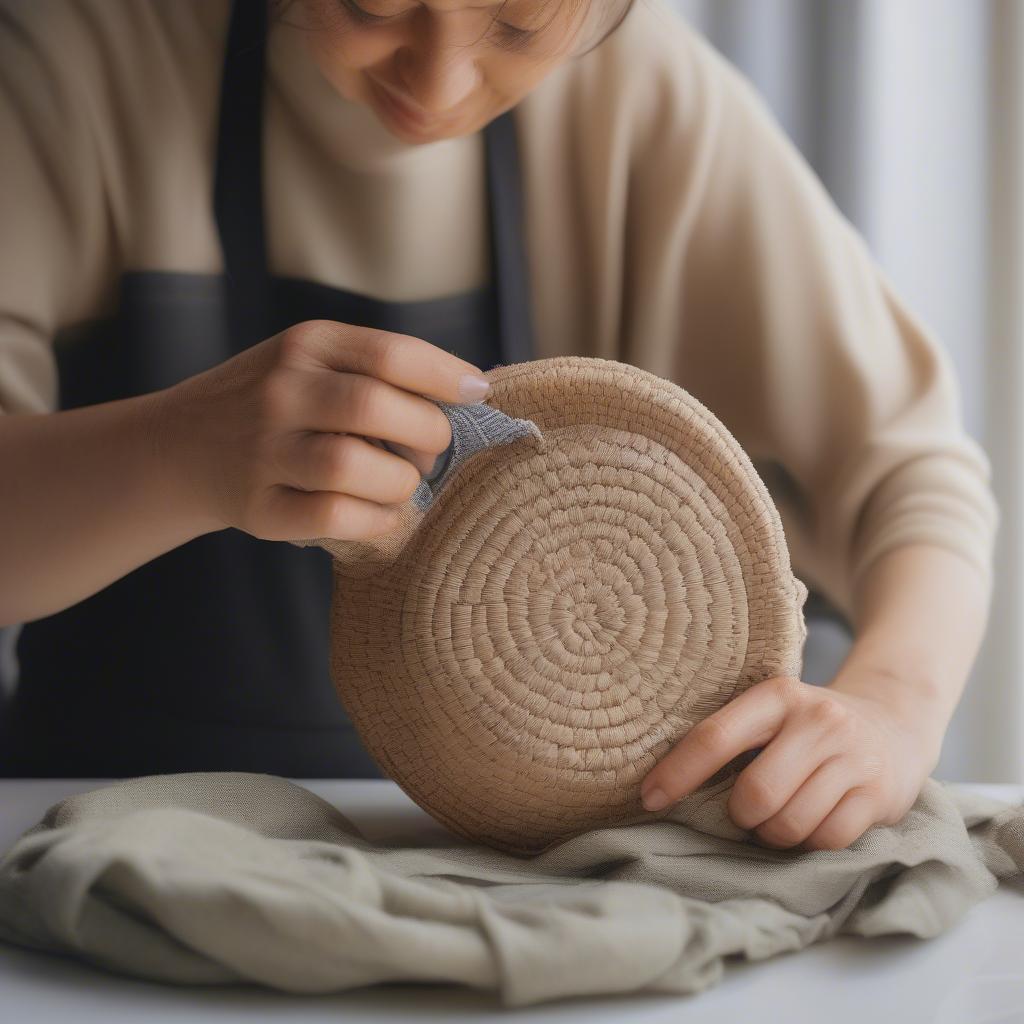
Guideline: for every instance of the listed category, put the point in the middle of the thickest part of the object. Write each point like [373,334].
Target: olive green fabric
[225,877]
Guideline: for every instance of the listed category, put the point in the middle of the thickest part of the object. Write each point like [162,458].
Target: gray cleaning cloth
[226,877]
[474,428]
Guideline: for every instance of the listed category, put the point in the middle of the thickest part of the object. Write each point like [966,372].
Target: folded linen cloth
[206,878]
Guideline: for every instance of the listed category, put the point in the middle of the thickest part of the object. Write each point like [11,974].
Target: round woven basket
[568,608]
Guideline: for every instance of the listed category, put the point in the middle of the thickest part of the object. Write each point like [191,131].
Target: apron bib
[215,656]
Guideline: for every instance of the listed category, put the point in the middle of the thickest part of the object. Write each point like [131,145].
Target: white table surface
[969,975]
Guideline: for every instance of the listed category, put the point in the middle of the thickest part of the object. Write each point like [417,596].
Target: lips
[401,111]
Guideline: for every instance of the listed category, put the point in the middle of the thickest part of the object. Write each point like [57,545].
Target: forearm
[85,500]
[921,614]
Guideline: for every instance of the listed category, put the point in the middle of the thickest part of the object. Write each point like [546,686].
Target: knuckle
[374,352]
[829,839]
[756,795]
[711,735]
[373,523]
[874,793]
[412,481]
[297,339]
[879,777]
[367,404]
[341,458]
[341,517]
[382,352]
[385,522]
[328,518]
[783,829]
[829,715]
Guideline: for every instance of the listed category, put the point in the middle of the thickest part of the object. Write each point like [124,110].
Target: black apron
[215,656]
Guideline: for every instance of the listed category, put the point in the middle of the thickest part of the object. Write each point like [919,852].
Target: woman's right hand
[281,440]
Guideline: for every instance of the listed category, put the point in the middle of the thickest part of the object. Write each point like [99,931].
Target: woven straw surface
[567,608]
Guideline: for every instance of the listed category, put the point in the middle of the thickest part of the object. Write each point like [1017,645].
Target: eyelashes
[513,38]
[510,37]
[363,17]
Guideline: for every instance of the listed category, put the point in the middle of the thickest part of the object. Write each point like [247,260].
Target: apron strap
[508,250]
[238,198]
[238,180]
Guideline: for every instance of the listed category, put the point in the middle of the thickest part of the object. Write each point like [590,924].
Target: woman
[239,260]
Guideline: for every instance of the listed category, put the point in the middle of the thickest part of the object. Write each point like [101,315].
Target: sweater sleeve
[783,325]
[51,198]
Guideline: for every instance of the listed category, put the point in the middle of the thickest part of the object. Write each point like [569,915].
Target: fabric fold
[218,878]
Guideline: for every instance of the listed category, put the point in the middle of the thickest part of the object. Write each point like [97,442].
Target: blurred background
[911,112]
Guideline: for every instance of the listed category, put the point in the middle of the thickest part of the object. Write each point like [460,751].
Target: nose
[436,76]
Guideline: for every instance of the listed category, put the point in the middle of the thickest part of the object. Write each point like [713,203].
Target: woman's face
[436,69]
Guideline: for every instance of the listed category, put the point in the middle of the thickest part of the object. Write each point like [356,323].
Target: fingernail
[473,388]
[655,799]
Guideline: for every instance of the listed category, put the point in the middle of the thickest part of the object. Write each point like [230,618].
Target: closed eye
[512,36]
[365,17]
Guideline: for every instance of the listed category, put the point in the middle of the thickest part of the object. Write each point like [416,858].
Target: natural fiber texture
[220,878]
[567,605]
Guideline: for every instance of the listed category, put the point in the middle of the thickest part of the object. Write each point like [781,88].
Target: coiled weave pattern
[567,608]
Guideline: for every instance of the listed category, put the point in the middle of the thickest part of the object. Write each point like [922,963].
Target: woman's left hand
[836,759]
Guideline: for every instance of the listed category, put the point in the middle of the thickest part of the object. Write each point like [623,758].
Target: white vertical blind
[996,706]
[911,114]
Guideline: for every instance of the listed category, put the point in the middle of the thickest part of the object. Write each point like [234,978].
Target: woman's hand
[836,760]
[281,441]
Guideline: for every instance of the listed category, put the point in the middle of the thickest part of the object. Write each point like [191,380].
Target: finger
[306,515]
[808,807]
[773,778]
[425,462]
[401,360]
[348,464]
[850,819]
[347,403]
[747,721]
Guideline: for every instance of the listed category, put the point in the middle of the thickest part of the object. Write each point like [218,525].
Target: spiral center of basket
[587,616]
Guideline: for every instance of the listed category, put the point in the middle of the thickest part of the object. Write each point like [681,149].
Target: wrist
[921,613]
[164,436]
[916,697]
[915,707]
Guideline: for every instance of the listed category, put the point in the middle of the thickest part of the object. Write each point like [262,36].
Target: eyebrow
[472,7]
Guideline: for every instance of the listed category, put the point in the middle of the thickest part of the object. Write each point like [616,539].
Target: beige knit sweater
[669,224]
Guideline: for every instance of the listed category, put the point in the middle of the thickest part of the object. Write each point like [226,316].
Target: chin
[423,137]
